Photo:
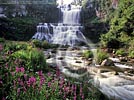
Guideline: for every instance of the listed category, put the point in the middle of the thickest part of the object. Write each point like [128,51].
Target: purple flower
[49,84]
[75,97]
[40,73]
[49,74]
[21,83]
[31,81]
[22,69]
[42,80]
[82,97]
[58,72]
[18,90]
[17,69]
[80,90]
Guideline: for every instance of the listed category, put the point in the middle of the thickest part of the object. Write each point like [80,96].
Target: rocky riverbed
[113,78]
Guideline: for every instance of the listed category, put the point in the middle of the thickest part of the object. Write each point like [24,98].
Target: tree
[122,24]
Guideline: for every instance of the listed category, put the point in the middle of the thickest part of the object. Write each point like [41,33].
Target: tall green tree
[121,25]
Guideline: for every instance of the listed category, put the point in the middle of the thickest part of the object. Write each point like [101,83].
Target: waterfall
[67,31]
[43,32]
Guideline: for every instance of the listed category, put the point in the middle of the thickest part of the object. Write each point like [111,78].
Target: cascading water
[43,32]
[68,32]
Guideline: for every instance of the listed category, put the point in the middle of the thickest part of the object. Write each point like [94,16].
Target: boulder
[107,62]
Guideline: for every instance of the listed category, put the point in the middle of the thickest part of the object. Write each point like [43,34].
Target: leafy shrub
[45,45]
[131,54]
[15,46]
[88,54]
[121,52]
[101,55]
[33,60]
[54,45]
[37,43]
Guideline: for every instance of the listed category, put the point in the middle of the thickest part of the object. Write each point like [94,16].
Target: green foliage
[33,59]
[131,54]
[88,54]
[12,46]
[43,44]
[120,52]
[18,28]
[122,23]
[37,43]
[100,56]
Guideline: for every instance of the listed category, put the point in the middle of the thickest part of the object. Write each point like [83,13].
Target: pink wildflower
[18,90]
[17,69]
[31,81]
[40,73]
[49,74]
[22,69]
[82,97]
[75,97]
[12,73]
[80,90]
[49,84]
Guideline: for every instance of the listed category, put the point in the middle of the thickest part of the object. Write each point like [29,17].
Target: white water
[68,32]
[43,32]
[71,17]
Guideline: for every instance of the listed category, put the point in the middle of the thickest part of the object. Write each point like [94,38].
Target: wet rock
[115,59]
[90,59]
[107,62]
[60,58]
[77,61]
[88,62]
[123,59]
[54,51]
[82,58]
[131,60]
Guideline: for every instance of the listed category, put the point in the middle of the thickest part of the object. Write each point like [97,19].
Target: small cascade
[43,32]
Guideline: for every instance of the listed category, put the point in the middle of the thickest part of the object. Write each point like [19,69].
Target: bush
[15,46]
[101,55]
[131,54]
[45,45]
[88,54]
[37,43]
[120,52]
[33,60]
